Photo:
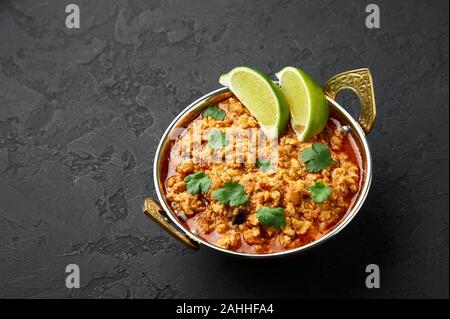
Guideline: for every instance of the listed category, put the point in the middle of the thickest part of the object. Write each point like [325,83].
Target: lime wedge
[307,102]
[260,96]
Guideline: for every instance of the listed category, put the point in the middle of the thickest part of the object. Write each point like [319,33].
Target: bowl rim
[365,187]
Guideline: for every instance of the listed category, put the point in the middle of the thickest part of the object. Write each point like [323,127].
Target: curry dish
[286,186]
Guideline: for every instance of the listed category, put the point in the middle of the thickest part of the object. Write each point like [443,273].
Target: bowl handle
[359,82]
[152,209]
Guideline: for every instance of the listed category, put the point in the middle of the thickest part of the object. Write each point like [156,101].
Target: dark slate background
[82,111]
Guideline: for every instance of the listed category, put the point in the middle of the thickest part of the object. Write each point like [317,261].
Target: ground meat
[285,186]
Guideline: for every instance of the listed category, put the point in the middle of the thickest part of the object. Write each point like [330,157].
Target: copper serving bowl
[358,81]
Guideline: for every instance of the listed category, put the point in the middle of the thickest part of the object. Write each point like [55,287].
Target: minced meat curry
[254,205]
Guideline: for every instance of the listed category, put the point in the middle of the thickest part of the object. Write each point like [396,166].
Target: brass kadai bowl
[358,81]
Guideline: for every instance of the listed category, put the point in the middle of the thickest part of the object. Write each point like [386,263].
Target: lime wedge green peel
[307,102]
[260,96]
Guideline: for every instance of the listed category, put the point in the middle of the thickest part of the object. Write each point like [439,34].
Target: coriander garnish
[264,165]
[231,194]
[271,217]
[196,183]
[215,113]
[317,157]
[217,140]
[319,192]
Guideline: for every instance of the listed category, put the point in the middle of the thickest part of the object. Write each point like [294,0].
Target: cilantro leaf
[231,194]
[196,183]
[317,157]
[319,192]
[271,217]
[215,113]
[217,139]
[264,165]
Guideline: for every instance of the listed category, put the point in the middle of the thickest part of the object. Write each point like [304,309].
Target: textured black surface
[81,113]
